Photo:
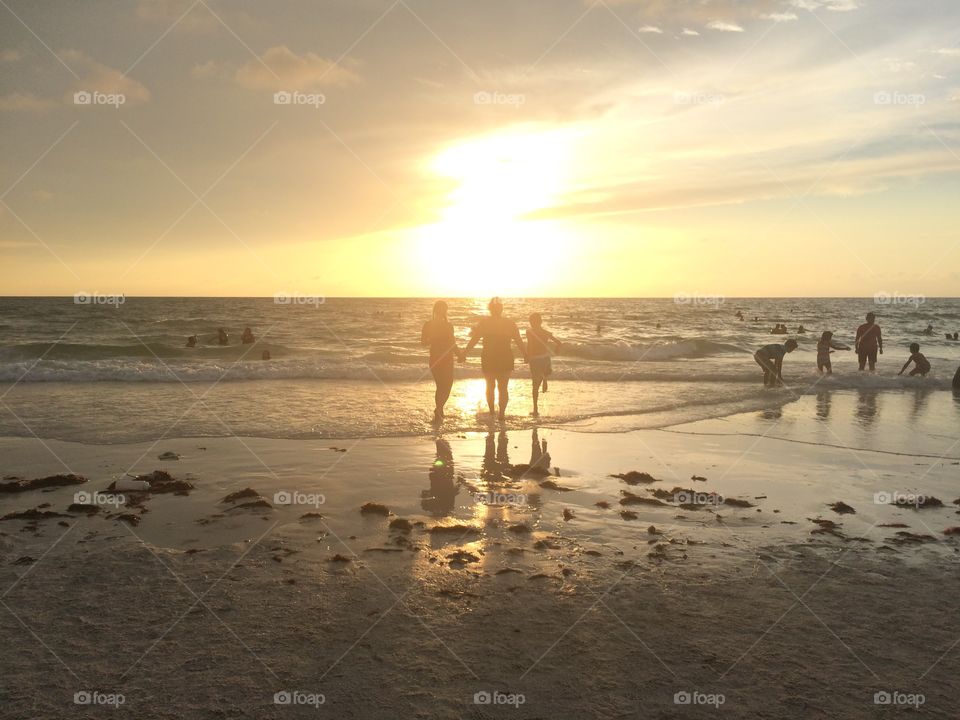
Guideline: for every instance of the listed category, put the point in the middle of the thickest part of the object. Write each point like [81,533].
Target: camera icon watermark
[694,697]
[496,697]
[501,499]
[900,499]
[684,298]
[698,98]
[898,298]
[298,697]
[294,497]
[95,697]
[84,497]
[884,697]
[86,97]
[285,298]
[295,97]
[885,97]
[686,497]
[498,98]
[97,298]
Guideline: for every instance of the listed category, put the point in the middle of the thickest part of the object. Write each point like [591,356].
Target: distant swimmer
[921,364]
[801,330]
[949,336]
[825,346]
[770,358]
[756,318]
[779,329]
[222,337]
[192,341]
[868,343]
[928,330]
[739,315]
[247,337]
[538,354]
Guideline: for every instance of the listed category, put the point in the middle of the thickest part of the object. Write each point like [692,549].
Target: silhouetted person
[869,342]
[825,346]
[222,337]
[496,360]
[192,341]
[438,334]
[770,358]
[801,330]
[921,364]
[538,352]
[928,330]
[247,337]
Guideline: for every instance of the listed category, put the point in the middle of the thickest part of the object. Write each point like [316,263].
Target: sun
[483,242]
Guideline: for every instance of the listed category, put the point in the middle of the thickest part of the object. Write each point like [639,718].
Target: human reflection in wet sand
[496,457]
[920,397]
[823,404]
[866,407]
[439,499]
[539,457]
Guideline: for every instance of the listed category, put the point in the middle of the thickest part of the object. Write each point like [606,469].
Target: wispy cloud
[722,26]
[650,29]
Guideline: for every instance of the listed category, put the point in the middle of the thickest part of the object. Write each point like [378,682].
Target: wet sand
[724,572]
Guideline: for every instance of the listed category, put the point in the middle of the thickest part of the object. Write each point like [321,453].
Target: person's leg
[862,359]
[502,383]
[536,393]
[872,358]
[828,366]
[491,387]
[444,380]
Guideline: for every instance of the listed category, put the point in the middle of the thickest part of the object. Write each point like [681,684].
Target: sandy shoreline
[200,610]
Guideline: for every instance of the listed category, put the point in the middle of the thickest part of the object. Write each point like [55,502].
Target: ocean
[103,372]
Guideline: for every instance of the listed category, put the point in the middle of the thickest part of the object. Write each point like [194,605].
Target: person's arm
[425,334]
[556,342]
[474,339]
[518,339]
[879,339]
[779,368]
[839,346]
[857,339]
[906,365]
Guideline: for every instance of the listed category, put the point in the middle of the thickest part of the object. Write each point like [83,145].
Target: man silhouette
[868,343]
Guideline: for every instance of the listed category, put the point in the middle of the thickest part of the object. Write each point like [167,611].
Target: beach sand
[520,587]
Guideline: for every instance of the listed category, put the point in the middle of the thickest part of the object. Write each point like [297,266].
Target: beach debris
[50,481]
[653,530]
[568,514]
[737,502]
[916,502]
[628,515]
[455,529]
[593,553]
[523,470]
[519,528]
[826,527]
[552,485]
[242,495]
[759,497]
[311,516]
[952,531]
[841,508]
[260,504]
[634,477]
[630,499]
[462,557]
[168,455]
[903,537]
[129,518]
[401,524]
[546,544]
[698,478]
[603,504]
[893,525]
[83,508]
[337,449]
[32,514]
[341,558]
[372,508]
[504,571]
[24,560]
[159,481]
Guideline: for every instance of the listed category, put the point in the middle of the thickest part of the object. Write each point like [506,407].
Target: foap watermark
[886,97]
[295,97]
[496,697]
[501,499]
[294,497]
[686,497]
[285,298]
[498,98]
[299,697]
[85,97]
[98,498]
[698,98]
[896,697]
[901,499]
[98,298]
[898,298]
[699,299]
[96,697]
[695,697]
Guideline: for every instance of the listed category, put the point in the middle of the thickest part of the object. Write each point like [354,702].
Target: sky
[638,148]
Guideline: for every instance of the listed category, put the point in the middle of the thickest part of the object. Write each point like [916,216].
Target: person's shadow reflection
[866,407]
[823,404]
[496,458]
[439,499]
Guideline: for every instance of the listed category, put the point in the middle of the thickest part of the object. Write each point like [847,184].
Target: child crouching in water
[922,366]
[825,346]
[538,352]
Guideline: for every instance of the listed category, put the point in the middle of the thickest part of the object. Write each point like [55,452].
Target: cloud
[24,102]
[97,77]
[780,16]
[650,29]
[279,68]
[724,26]
[689,32]
[948,52]
[835,5]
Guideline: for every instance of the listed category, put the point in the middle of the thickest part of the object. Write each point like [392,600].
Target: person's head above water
[790,345]
[536,320]
[871,317]
[914,348]
[440,310]
[495,307]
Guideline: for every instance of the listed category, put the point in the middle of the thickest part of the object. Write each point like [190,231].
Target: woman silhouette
[438,334]
[496,360]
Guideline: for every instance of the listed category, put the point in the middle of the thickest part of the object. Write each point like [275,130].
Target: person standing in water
[868,343]
[825,346]
[538,350]
[496,359]
[438,334]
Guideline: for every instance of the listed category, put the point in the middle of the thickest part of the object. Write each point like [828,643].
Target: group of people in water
[497,334]
[868,343]
[223,339]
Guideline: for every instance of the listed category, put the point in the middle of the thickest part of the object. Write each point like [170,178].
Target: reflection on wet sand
[920,397]
[440,498]
[866,407]
[823,404]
